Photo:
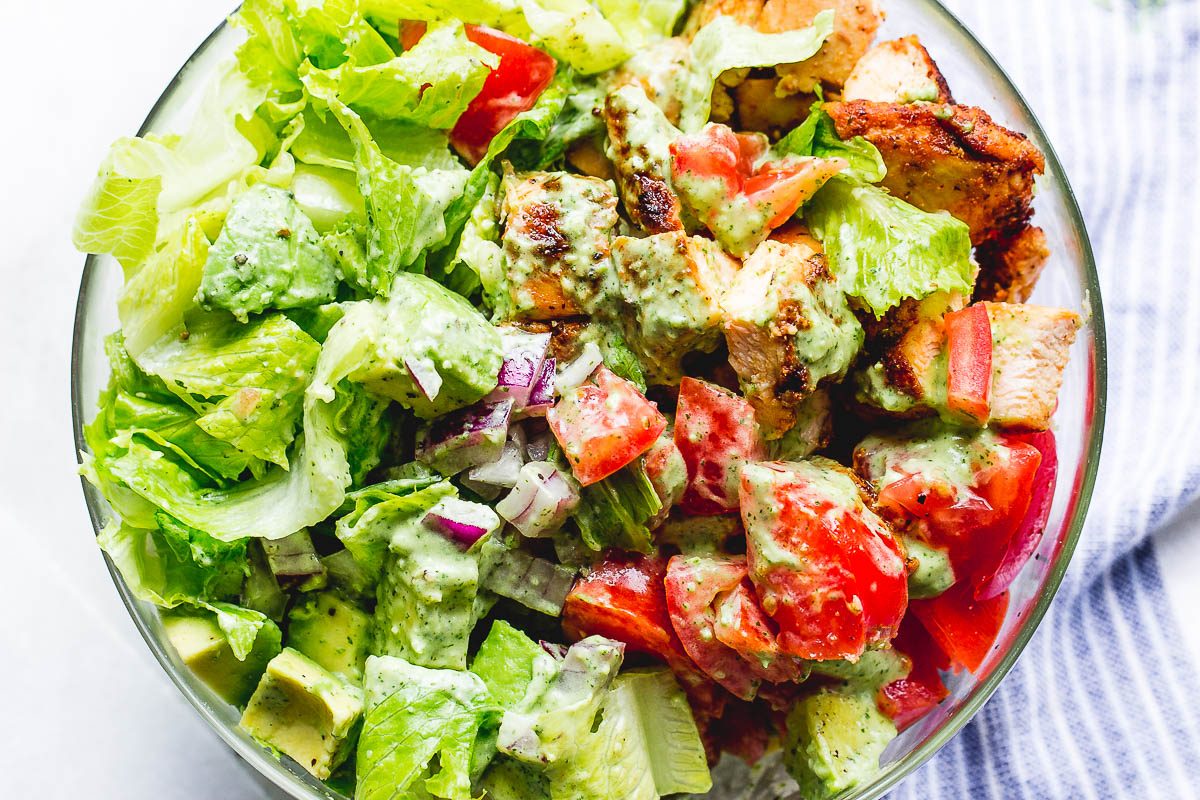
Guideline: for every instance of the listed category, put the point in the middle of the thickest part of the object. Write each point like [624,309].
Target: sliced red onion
[425,375]
[505,469]
[1026,538]
[465,438]
[293,558]
[559,651]
[579,370]
[541,501]
[541,398]
[463,521]
[524,355]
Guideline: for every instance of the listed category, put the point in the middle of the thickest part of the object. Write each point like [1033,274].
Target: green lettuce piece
[724,44]
[362,421]
[322,141]
[246,381]
[267,256]
[159,180]
[245,628]
[367,529]
[271,55]
[543,147]
[557,724]
[817,136]
[676,753]
[419,731]
[515,669]
[426,605]
[573,31]
[154,300]
[406,206]
[479,250]
[175,564]
[642,21]
[431,84]
[279,503]
[615,511]
[883,250]
[425,326]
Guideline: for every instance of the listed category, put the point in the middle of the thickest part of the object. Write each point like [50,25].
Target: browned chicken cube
[949,158]
[899,71]
[673,285]
[854,27]
[788,328]
[557,232]
[639,145]
[1009,268]
[660,69]
[1030,345]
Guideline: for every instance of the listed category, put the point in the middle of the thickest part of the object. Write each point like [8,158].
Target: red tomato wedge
[513,86]
[624,598]
[716,433]
[963,628]
[717,153]
[743,626]
[603,426]
[969,355]
[827,569]
[911,697]
[693,584]
[1028,534]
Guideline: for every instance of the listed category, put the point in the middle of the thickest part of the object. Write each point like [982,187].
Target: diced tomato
[912,496]
[969,356]
[1029,532]
[827,569]
[605,425]
[693,584]
[908,699]
[783,186]
[717,153]
[513,86]
[743,626]
[624,598]
[716,433]
[963,628]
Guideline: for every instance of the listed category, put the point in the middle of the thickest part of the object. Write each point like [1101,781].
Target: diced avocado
[203,647]
[332,632]
[934,573]
[304,711]
[834,740]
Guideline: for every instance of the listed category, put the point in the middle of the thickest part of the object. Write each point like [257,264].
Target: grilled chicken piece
[557,231]
[949,158]
[788,328]
[759,108]
[659,69]
[899,71]
[639,142]
[854,26]
[1009,268]
[672,284]
[1030,345]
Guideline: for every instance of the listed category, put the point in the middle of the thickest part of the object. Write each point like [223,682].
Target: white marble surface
[87,711]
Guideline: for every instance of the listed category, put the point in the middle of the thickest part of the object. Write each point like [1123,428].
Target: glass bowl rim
[285,779]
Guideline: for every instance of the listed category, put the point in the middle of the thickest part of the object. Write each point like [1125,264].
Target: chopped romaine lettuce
[615,511]
[816,136]
[883,250]
[367,529]
[154,299]
[515,669]
[419,731]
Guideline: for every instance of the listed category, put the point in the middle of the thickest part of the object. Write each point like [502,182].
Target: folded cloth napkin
[1104,701]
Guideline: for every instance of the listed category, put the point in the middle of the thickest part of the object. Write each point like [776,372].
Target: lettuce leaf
[515,669]
[615,511]
[175,564]
[724,44]
[817,136]
[154,300]
[268,255]
[246,381]
[883,250]
[419,731]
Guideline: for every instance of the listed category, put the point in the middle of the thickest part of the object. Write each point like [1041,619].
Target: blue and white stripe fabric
[1104,702]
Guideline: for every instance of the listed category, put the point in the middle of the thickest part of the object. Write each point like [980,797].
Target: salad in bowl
[547,401]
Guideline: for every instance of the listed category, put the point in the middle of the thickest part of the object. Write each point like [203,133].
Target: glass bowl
[1069,280]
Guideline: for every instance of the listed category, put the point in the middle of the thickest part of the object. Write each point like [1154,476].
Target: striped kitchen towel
[1104,702]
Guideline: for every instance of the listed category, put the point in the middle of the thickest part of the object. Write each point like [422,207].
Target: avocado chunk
[874,669]
[834,740]
[203,647]
[304,711]
[332,632]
